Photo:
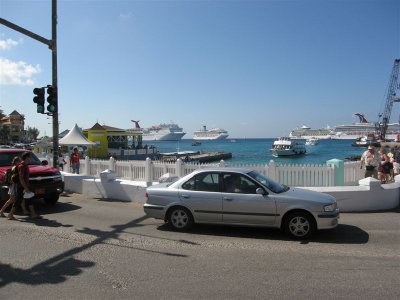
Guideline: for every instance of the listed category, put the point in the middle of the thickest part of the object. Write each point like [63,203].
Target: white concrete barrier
[124,190]
[370,195]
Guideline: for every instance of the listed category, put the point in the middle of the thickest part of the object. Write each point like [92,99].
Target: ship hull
[210,138]
[171,136]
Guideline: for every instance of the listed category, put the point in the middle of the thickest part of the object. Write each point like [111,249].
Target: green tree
[4,135]
[32,133]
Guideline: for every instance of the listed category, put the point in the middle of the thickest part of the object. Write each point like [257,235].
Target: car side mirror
[261,191]
[45,162]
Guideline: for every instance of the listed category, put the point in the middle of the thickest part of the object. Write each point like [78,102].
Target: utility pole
[52,44]
[54,81]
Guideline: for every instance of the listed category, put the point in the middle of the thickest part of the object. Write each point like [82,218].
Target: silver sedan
[240,197]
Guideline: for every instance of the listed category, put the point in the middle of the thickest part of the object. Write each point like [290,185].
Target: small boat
[365,141]
[196,143]
[312,141]
[287,146]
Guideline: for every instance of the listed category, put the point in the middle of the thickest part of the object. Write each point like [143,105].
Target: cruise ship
[308,133]
[348,132]
[163,132]
[213,134]
[364,128]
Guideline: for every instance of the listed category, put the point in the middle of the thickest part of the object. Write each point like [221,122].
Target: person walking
[12,189]
[392,160]
[23,190]
[370,162]
[61,161]
[74,161]
[384,166]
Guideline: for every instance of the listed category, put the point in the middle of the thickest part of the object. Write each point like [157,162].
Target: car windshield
[7,157]
[268,183]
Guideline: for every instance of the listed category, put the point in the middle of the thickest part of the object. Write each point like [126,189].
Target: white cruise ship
[213,134]
[364,128]
[163,132]
[347,132]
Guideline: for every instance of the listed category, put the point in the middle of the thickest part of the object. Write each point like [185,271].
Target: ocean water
[256,151]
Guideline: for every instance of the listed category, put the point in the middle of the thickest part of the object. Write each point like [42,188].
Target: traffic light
[39,99]
[51,99]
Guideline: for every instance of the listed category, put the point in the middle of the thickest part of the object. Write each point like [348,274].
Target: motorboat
[312,141]
[365,141]
[287,146]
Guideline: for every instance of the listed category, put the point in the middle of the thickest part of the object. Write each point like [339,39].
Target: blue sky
[254,68]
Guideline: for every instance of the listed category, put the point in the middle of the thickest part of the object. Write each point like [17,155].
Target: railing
[309,175]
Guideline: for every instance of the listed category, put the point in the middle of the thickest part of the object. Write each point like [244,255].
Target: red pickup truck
[46,182]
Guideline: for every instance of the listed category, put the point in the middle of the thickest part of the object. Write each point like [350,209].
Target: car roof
[224,169]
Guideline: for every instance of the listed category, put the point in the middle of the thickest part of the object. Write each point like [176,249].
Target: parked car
[240,197]
[46,182]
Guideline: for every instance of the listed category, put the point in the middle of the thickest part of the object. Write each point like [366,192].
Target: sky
[258,69]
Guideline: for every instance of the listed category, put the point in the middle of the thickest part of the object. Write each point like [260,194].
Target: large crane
[382,125]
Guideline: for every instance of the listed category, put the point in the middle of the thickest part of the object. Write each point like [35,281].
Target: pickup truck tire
[4,196]
[51,199]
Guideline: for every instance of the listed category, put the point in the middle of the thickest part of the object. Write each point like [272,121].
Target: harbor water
[257,151]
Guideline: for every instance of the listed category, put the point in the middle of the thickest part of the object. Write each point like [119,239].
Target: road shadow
[59,207]
[111,200]
[45,222]
[342,234]
[44,209]
[57,268]
[44,273]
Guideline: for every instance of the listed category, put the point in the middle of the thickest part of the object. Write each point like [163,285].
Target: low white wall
[102,188]
[370,195]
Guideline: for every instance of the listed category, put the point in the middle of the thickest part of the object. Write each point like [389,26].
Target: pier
[192,156]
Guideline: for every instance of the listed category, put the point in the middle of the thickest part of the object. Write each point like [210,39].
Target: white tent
[75,138]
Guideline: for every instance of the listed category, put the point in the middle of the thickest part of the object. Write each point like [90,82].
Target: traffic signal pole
[55,81]
[53,47]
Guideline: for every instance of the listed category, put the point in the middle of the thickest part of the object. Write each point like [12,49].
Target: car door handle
[185,196]
[228,199]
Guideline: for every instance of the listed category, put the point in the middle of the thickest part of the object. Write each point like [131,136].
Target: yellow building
[110,139]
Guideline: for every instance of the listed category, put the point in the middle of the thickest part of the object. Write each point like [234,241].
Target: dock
[199,157]
[210,156]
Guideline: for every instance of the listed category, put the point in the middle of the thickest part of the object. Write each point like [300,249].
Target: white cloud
[17,73]
[125,16]
[8,44]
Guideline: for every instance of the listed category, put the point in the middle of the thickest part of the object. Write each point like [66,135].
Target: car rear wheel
[299,225]
[180,218]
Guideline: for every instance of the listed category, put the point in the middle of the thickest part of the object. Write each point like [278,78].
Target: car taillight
[146,195]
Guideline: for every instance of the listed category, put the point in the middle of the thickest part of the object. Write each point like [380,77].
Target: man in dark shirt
[23,190]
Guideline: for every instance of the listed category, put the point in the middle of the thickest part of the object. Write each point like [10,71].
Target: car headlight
[330,207]
[57,176]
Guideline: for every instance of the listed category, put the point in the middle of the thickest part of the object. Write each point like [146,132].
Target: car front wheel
[180,218]
[51,199]
[299,225]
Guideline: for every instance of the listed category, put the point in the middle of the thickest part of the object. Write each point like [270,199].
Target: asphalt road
[99,249]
